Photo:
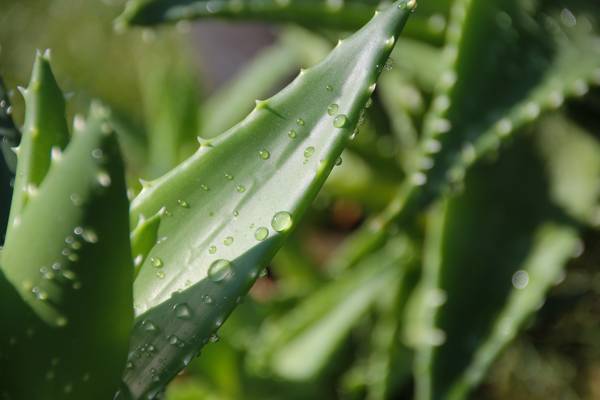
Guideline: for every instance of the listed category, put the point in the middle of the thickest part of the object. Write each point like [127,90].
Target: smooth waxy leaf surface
[227,209]
[496,249]
[67,264]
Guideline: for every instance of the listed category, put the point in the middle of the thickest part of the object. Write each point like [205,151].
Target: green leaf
[69,263]
[227,209]
[495,250]
[347,14]
[300,345]
[45,128]
[9,139]
[545,57]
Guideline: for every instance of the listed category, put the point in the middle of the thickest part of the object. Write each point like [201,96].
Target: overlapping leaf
[225,211]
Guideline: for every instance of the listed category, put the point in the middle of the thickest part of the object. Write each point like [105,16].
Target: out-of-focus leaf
[300,346]
[494,251]
[227,209]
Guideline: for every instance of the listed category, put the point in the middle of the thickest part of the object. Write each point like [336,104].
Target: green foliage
[396,233]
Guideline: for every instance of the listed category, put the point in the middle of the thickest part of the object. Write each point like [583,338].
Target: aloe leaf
[228,208]
[10,138]
[76,283]
[348,14]
[538,47]
[45,128]
[233,102]
[499,270]
[299,346]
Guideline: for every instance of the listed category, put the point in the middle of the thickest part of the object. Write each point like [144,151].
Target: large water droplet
[261,233]
[340,121]
[332,109]
[219,270]
[182,311]
[292,134]
[264,154]
[228,241]
[282,221]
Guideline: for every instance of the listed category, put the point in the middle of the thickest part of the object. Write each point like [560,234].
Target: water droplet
[62,321]
[129,365]
[261,233]
[300,122]
[182,311]
[329,88]
[156,262]
[219,270]
[309,151]
[340,121]
[70,275]
[228,241]
[214,338]
[103,179]
[369,103]
[236,213]
[240,189]
[333,109]
[206,299]
[183,203]
[204,187]
[338,161]
[229,177]
[264,154]
[282,221]
[212,249]
[149,326]
[160,274]
[89,235]
[520,279]
[292,134]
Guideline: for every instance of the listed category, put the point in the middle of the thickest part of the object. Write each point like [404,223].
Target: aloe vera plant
[382,227]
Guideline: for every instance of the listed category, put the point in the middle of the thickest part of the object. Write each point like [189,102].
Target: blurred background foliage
[308,330]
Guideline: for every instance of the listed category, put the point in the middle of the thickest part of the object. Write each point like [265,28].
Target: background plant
[470,191]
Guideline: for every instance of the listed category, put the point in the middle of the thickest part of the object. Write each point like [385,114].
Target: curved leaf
[495,250]
[227,209]
[69,263]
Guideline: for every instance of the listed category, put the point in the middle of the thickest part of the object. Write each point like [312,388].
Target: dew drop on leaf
[183,203]
[282,221]
[228,241]
[300,122]
[261,234]
[212,249]
[340,121]
[182,311]
[264,154]
[309,151]
[292,134]
[156,262]
[332,109]
[219,270]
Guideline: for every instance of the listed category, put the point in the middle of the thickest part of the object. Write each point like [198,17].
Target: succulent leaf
[45,128]
[69,263]
[250,187]
[498,270]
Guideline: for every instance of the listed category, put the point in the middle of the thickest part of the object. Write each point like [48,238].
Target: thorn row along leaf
[226,210]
